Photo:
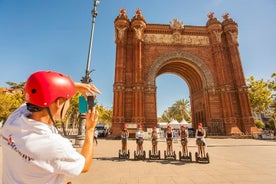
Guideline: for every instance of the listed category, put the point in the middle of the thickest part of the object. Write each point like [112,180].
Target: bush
[271,124]
[259,124]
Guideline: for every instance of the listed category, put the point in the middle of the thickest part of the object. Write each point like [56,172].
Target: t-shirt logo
[10,140]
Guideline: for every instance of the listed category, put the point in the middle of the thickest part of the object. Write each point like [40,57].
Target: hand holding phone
[90,102]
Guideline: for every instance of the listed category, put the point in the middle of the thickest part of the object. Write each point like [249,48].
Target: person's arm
[86,88]
[88,145]
[204,133]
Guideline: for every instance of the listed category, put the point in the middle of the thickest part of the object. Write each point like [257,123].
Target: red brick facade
[206,57]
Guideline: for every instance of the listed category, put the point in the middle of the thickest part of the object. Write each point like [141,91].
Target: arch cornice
[186,57]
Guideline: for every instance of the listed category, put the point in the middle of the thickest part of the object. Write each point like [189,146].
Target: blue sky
[54,35]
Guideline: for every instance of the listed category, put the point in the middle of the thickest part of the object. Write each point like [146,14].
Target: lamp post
[87,79]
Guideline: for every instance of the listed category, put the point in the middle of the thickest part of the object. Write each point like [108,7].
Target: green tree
[9,102]
[179,110]
[259,124]
[15,86]
[272,87]
[259,95]
[105,115]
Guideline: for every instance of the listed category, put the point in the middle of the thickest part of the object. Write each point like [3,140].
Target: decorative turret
[212,20]
[138,24]
[121,25]
[231,27]
[214,29]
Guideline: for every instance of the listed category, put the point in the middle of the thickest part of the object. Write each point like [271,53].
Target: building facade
[206,57]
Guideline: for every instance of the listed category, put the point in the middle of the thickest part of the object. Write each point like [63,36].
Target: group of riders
[183,134]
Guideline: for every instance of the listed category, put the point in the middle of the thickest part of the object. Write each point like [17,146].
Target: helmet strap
[52,119]
[33,108]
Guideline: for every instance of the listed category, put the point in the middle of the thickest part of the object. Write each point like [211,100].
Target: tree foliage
[259,124]
[9,102]
[105,115]
[259,95]
[272,87]
[179,110]
[262,97]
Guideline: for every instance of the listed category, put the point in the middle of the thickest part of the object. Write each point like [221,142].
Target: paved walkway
[232,161]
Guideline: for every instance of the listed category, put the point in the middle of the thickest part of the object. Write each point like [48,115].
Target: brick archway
[206,57]
[181,63]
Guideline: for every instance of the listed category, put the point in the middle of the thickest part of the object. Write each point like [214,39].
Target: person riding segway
[201,144]
[185,155]
[124,153]
[154,153]
[139,153]
[169,153]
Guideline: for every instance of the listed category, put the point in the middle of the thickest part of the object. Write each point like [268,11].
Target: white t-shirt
[139,134]
[34,152]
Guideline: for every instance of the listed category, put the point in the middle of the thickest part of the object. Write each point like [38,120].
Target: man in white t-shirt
[33,151]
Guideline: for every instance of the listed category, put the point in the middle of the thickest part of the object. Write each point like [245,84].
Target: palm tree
[15,86]
[179,110]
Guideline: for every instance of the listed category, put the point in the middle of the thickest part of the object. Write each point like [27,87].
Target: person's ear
[59,102]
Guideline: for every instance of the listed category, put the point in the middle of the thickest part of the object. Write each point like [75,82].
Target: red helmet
[169,127]
[125,126]
[139,126]
[44,87]
[199,124]
[182,126]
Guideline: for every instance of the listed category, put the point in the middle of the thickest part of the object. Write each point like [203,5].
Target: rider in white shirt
[33,151]
[139,138]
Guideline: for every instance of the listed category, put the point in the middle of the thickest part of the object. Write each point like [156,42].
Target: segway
[154,154]
[200,157]
[124,154]
[140,154]
[171,154]
[184,155]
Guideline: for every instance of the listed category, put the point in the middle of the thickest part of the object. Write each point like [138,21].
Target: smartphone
[90,102]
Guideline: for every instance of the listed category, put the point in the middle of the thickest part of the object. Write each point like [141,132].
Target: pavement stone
[232,161]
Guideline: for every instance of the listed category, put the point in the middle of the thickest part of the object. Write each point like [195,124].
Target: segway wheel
[128,154]
[135,156]
[208,158]
[159,155]
[179,154]
[144,154]
[196,156]
[149,154]
[174,155]
[119,153]
[165,155]
[190,156]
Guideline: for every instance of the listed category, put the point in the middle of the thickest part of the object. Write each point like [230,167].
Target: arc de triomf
[206,57]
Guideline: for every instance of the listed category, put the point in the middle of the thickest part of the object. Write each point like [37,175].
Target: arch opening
[188,68]
[169,89]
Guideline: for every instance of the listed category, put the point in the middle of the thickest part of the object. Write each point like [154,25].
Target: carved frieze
[177,38]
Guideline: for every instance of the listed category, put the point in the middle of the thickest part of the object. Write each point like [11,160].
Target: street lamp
[87,79]
[94,12]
